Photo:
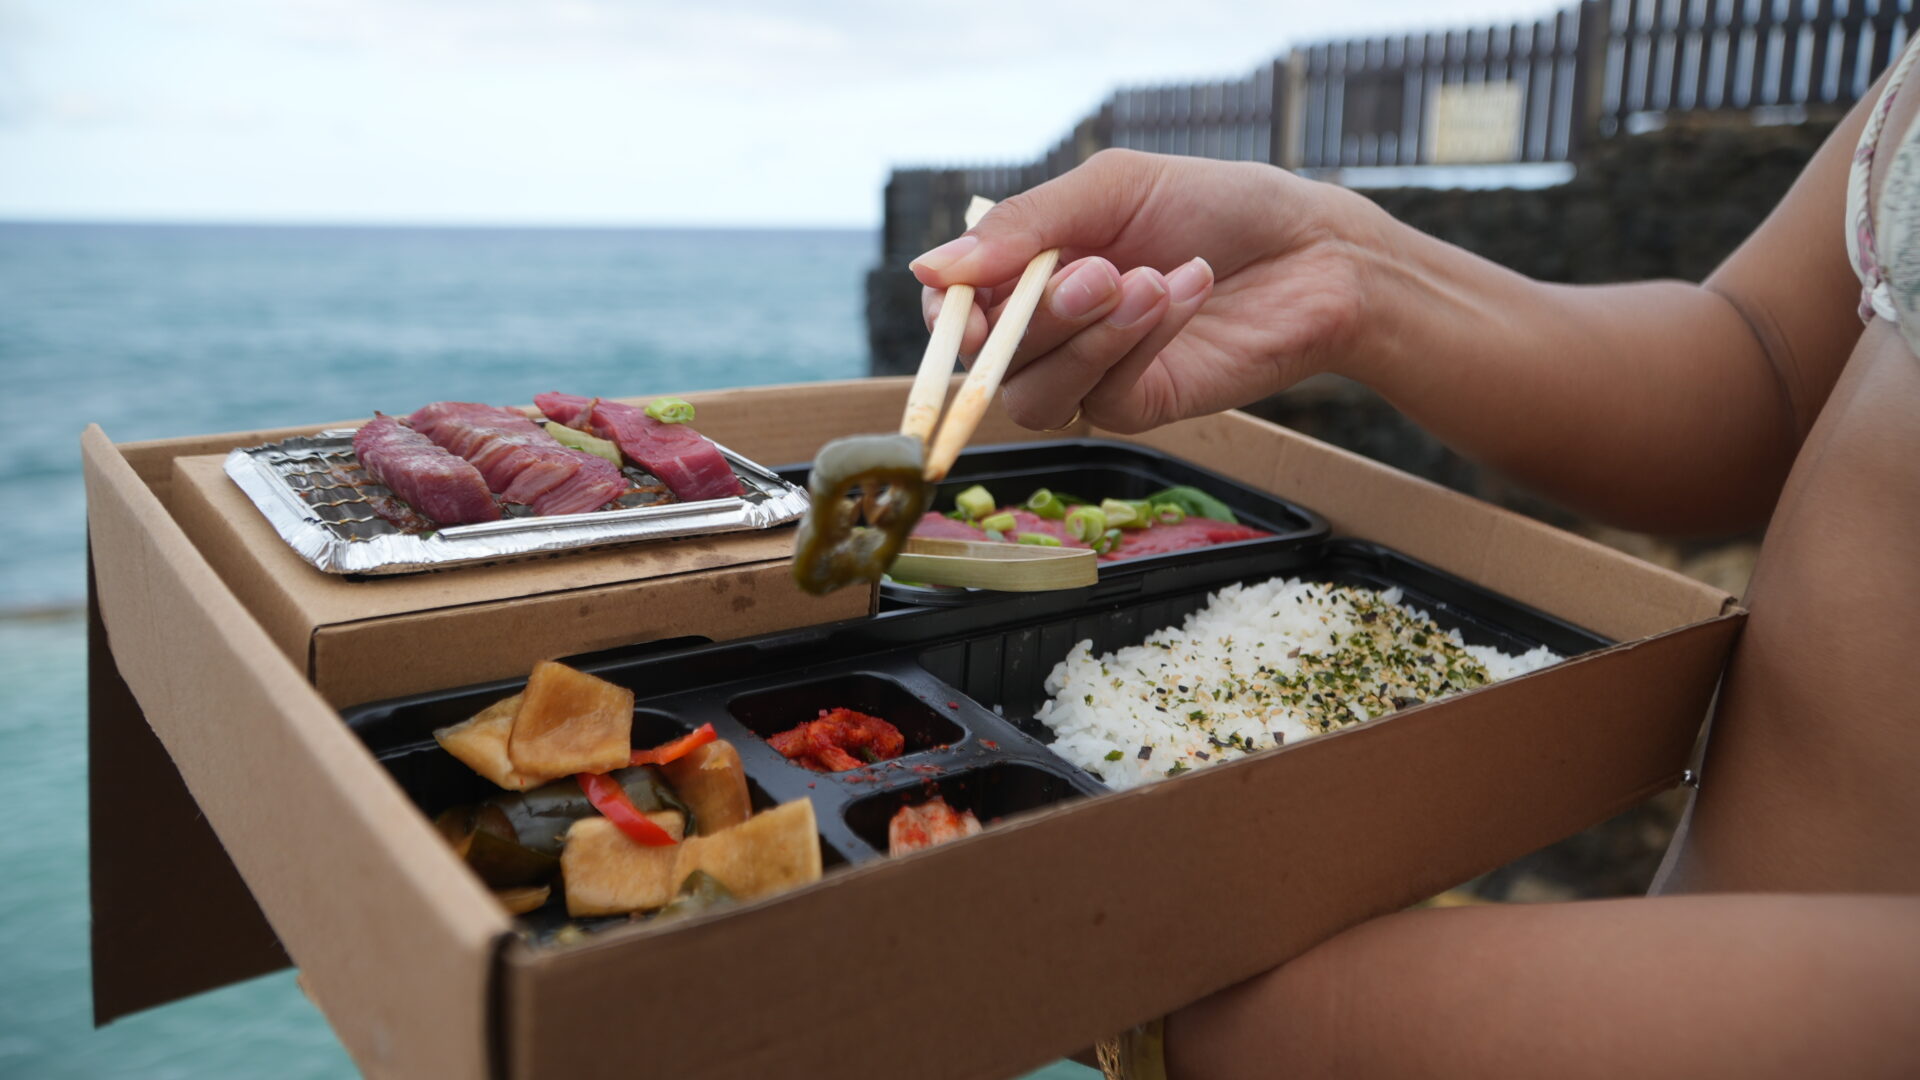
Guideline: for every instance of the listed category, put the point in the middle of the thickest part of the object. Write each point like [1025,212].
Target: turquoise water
[153,332]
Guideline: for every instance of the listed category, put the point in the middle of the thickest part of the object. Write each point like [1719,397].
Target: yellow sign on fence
[1475,123]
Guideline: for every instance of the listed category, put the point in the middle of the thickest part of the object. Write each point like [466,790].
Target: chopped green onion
[1114,755]
[1046,504]
[1040,539]
[996,535]
[1168,513]
[670,410]
[1000,522]
[1086,523]
[976,502]
[580,440]
[1107,542]
[1122,514]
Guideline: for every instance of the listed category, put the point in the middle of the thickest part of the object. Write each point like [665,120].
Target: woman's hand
[1187,286]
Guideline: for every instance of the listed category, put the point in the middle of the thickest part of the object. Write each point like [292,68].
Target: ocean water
[160,331]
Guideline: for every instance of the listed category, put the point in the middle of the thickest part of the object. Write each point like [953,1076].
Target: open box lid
[239,722]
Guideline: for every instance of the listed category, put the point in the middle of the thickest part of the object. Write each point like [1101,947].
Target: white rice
[1259,666]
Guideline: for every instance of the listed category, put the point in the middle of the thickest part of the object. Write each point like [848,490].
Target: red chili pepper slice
[608,797]
[677,749]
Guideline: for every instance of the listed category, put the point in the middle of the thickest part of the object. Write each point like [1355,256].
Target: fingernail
[1085,289]
[1185,283]
[946,254]
[1138,296]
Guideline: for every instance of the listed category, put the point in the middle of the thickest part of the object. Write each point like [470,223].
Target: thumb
[1082,210]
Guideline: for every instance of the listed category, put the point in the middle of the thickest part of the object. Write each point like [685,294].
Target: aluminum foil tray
[313,491]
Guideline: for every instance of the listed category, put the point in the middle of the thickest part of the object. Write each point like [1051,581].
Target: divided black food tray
[1104,469]
[953,745]
[944,676]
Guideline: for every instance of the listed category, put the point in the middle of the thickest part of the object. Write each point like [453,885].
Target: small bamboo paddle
[982,564]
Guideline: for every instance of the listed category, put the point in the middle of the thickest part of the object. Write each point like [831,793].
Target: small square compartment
[992,792]
[769,712]
[652,727]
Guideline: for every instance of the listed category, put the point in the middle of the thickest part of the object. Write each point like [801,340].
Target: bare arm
[1664,405]
[1661,405]
[1749,986]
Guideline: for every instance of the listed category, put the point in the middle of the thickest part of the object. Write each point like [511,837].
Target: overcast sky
[724,112]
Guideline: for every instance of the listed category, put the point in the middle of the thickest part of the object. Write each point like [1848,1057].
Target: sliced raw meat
[501,443]
[1191,533]
[1026,521]
[1134,543]
[434,482]
[390,507]
[684,460]
[597,483]
[519,460]
[942,527]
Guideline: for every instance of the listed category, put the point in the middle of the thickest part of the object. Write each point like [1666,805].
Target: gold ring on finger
[1072,420]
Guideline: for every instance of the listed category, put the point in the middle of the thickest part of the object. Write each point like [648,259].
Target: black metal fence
[1582,73]
[1368,102]
[1664,55]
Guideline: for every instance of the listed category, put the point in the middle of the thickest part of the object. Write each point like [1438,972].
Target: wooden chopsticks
[943,348]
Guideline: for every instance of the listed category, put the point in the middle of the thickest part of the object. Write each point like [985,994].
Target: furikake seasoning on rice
[1259,666]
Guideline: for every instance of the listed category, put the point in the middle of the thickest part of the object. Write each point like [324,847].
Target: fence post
[1290,108]
[1093,134]
[1589,77]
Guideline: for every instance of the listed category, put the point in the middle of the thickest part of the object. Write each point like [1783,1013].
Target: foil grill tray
[317,497]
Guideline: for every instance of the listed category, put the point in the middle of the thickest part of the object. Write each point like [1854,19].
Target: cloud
[583,110]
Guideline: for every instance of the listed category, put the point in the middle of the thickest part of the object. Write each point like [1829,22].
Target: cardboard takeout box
[982,958]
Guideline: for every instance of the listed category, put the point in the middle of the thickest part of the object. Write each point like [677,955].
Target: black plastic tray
[1104,469]
[955,747]
[944,676]
[1007,667]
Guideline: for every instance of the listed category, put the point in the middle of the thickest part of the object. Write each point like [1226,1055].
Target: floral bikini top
[1886,252]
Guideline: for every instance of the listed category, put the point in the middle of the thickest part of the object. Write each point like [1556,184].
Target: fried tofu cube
[607,873]
[481,743]
[571,722]
[768,853]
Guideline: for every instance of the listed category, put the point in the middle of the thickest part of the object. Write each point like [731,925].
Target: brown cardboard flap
[1024,947]
[355,662]
[220,519]
[396,938]
[146,896]
[486,622]
[1577,579]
